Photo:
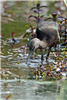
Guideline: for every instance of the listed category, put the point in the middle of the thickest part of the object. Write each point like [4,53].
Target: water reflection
[29,89]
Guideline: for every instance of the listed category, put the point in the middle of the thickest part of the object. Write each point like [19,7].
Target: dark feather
[46,28]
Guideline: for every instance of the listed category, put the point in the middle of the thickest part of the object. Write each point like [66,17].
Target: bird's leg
[42,57]
[48,53]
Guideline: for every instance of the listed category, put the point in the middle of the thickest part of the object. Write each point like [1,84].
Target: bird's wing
[48,24]
[44,28]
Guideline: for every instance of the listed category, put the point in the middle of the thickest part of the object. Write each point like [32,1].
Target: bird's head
[33,45]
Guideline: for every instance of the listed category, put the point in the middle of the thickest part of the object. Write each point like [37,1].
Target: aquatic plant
[37,10]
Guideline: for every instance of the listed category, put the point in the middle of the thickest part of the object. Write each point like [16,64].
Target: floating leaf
[43,74]
[65,53]
[63,57]
[18,62]
[63,49]
[8,96]
[65,2]
[20,76]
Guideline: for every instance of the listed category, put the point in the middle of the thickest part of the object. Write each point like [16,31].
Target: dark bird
[47,35]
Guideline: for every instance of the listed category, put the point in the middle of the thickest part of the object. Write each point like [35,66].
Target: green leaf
[65,1]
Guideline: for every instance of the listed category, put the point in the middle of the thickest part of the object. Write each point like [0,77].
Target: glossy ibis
[47,35]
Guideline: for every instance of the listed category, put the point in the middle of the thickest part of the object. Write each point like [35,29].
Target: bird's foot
[47,59]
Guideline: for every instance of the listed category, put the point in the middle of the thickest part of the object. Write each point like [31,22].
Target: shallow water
[34,90]
[25,88]
[29,89]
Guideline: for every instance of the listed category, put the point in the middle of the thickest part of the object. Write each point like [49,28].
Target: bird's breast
[43,44]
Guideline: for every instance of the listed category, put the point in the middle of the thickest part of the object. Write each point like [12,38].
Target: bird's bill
[30,52]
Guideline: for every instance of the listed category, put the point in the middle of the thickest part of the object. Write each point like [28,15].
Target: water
[25,88]
[29,89]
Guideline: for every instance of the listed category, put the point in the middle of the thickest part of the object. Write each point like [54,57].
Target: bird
[47,35]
